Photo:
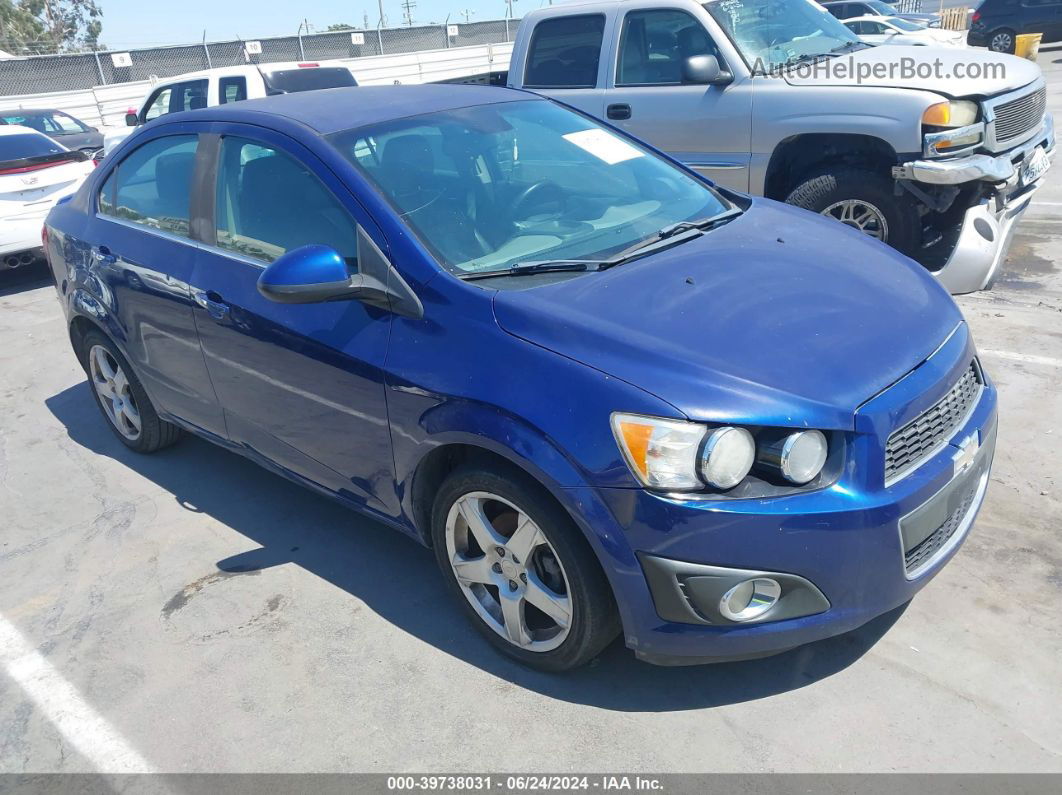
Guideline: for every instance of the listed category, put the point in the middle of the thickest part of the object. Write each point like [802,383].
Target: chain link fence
[39,74]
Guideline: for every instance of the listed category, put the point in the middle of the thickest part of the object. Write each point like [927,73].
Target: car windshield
[778,32]
[903,24]
[491,186]
[881,8]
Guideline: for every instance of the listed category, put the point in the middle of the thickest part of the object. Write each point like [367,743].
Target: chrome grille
[914,559]
[910,445]
[1020,116]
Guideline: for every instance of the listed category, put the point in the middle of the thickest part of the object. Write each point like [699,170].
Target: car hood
[779,317]
[1016,72]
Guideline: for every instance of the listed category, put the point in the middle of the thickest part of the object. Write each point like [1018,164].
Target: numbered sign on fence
[451,31]
[357,38]
[120,59]
[253,48]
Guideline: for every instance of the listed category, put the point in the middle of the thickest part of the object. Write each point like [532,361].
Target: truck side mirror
[131,119]
[705,70]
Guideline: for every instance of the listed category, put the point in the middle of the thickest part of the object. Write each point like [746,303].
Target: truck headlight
[956,113]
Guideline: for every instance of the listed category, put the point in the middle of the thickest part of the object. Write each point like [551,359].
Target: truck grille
[917,557]
[910,445]
[1020,116]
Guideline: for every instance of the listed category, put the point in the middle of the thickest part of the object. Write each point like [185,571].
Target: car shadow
[288,524]
[29,277]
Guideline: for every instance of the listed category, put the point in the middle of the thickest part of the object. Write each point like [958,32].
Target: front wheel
[523,573]
[865,201]
[1002,40]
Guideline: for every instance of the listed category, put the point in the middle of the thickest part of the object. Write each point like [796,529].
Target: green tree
[34,27]
[338,27]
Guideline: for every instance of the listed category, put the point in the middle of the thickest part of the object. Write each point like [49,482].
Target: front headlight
[675,455]
[956,113]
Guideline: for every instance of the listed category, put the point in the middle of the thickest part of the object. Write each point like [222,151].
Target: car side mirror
[705,70]
[315,273]
[311,274]
[131,120]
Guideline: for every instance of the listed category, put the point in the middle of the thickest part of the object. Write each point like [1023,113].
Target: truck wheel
[865,201]
[1002,40]
[521,569]
[122,400]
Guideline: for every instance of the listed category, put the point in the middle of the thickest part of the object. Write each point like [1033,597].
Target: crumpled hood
[779,317]
[1017,72]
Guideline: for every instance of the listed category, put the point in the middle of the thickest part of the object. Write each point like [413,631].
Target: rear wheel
[865,201]
[122,399]
[1002,40]
[521,569]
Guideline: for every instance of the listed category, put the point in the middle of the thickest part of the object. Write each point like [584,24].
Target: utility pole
[509,8]
[467,14]
[383,17]
[407,11]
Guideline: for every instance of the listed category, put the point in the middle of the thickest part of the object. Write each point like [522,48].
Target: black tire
[824,189]
[1002,40]
[595,621]
[155,433]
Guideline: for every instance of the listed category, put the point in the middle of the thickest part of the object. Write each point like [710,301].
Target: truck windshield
[778,32]
[491,186]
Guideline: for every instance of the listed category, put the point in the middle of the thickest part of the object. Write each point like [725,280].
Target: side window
[189,96]
[159,104]
[269,203]
[564,52]
[838,11]
[64,123]
[654,45]
[232,89]
[153,185]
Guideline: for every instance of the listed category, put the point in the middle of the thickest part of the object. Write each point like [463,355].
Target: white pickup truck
[226,84]
[912,148]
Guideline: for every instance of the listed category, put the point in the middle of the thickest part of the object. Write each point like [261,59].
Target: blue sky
[132,23]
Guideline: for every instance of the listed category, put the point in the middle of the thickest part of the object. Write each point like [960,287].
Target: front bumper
[841,550]
[988,226]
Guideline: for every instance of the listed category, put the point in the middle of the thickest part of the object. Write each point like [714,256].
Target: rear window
[28,146]
[289,81]
[564,52]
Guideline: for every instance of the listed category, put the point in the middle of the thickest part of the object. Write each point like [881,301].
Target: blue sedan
[610,396]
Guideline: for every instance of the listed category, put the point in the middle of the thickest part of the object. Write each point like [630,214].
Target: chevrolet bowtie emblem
[964,459]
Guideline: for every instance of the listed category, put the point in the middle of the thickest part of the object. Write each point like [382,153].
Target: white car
[893,30]
[226,84]
[35,172]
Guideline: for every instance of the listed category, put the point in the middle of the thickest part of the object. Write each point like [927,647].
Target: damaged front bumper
[988,225]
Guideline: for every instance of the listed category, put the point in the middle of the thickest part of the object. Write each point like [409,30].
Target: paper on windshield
[604,145]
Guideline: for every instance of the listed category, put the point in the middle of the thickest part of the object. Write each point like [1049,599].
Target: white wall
[107,105]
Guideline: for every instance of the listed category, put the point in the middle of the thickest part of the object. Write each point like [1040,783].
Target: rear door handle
[211,302]
[104,256]
[618,111]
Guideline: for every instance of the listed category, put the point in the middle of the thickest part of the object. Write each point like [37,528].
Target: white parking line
[1024,357]
[83,729]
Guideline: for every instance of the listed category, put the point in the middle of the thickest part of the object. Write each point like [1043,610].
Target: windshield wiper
[849,47]
[669,236]
[542,266]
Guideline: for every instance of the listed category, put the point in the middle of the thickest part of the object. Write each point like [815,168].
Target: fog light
[750,599]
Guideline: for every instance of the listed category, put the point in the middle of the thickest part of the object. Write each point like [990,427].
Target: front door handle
[211,302]
[618,111]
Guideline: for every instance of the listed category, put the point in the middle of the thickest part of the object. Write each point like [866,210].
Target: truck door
[564,60]
[708,127]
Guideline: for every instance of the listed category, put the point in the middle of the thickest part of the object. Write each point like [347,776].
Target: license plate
[1035,167]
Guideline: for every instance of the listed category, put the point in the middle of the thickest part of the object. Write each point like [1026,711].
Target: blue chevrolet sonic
[609,395]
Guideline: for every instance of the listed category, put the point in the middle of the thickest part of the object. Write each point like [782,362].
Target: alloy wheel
[1002,42]
[508,571]
[116,397]
[860,215]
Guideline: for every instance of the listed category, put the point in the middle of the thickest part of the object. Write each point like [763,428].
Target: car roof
[331,110]
[18,129]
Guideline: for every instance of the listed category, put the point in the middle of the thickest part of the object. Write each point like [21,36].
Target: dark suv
[996,23]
